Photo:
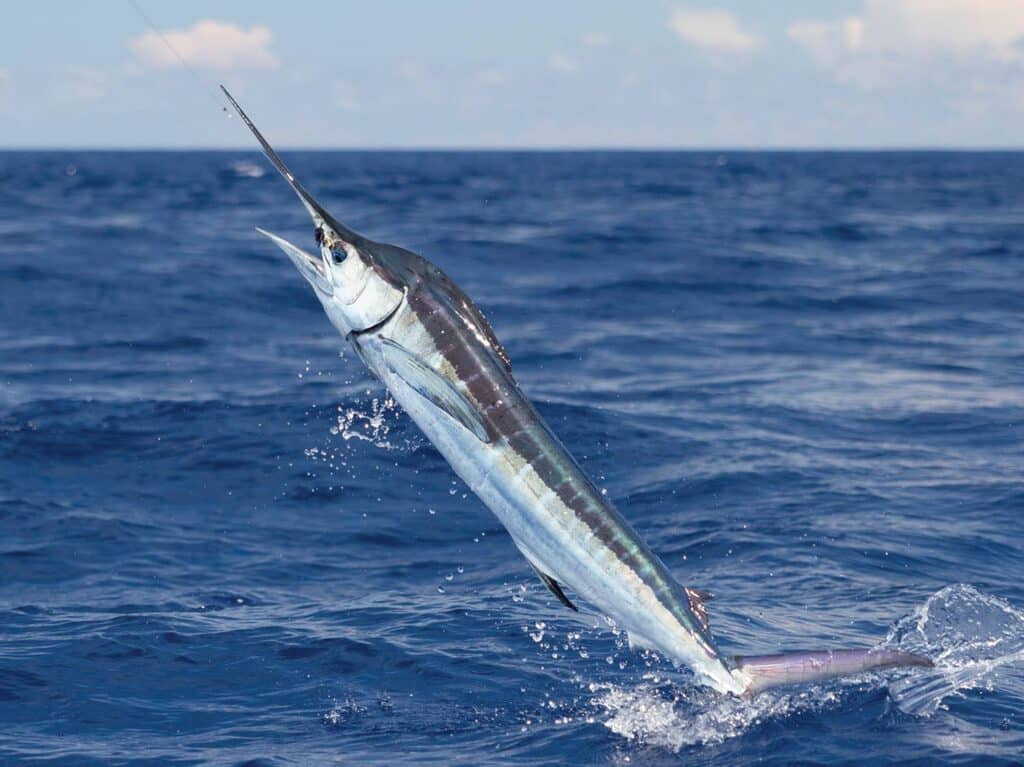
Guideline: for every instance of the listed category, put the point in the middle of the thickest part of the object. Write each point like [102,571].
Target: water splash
[378,424]
[968,634]
[659,713]
[662,708]
[372,426]
[343,712]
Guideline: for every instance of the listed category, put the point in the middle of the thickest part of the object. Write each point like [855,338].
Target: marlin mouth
[311,267]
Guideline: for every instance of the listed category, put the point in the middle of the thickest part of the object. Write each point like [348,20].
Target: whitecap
[247,169]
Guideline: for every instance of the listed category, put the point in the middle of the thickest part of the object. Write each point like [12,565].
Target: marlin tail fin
[766,671]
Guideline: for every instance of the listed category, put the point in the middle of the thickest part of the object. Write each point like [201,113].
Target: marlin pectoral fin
[556,589]
[417,374]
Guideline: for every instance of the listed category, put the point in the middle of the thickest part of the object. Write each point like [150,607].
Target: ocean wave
[796,373]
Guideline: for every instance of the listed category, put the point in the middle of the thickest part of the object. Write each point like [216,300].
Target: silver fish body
[557,518]
[440,359]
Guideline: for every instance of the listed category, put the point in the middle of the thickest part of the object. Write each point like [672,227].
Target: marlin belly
[558,519]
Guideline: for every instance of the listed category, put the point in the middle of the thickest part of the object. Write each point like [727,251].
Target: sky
[528,74]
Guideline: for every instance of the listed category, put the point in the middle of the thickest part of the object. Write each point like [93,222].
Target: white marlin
[433,349]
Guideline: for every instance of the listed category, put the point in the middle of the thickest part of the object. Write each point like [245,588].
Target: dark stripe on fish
[510,416]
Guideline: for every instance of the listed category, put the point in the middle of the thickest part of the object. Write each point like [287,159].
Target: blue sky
[839,73]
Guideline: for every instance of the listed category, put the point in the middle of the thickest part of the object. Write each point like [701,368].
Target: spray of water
[969,635]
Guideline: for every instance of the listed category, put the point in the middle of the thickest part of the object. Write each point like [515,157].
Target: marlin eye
[338,257]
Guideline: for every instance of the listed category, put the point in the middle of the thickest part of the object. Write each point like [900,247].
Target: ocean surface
[799,375]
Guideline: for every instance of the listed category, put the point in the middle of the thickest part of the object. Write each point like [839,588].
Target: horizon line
[539,149]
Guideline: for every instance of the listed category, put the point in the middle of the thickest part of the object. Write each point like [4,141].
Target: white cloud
[711,31]
[562,63]
[890,39]
[596,39]
[207,44]
[826,41]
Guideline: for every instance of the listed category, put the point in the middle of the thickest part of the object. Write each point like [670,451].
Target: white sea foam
[659,713]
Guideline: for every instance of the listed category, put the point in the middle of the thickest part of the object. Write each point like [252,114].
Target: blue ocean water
[800,375]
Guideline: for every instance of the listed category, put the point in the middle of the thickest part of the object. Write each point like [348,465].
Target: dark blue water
[801,376]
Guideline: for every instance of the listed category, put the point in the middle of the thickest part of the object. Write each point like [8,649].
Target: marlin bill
[431,346]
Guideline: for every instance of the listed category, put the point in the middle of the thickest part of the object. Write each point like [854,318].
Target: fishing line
[208,86]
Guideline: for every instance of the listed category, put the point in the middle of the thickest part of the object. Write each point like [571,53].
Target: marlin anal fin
[697,599]
[766,671]
[418,375]
[556,589]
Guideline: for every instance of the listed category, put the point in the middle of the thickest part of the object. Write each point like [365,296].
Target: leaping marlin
[437,355]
